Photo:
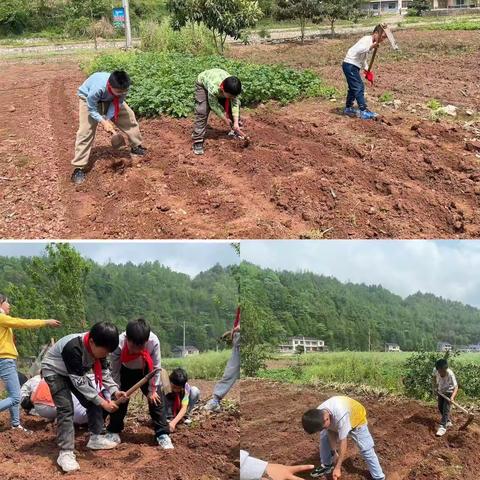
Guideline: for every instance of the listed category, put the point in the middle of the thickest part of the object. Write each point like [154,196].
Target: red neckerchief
[126,357]
[116,102]
[237,318]
[227,101]
[97,365]
[177,403]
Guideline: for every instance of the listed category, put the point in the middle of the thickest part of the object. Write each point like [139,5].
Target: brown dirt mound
[403,430]
[207,450]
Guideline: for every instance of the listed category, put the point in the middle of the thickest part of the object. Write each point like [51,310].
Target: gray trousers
[202,111]
[231,373]
[61,389]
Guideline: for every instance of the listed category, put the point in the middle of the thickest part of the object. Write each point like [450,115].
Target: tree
[301,10]
[418,7]
[223,18]
[14,15]
[334,10]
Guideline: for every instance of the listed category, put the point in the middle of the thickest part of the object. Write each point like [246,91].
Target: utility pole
[128,29]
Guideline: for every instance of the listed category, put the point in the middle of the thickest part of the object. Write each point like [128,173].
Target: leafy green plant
[434,104]
[386,97]
[457,25]
[418,374]
[164,83]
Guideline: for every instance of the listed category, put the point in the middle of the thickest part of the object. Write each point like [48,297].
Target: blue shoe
[213,405]
[350,112]
[366,115]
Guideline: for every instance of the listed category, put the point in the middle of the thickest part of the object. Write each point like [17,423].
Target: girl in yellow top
[8,358]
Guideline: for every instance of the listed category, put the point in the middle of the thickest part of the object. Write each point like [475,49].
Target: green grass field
[378,372]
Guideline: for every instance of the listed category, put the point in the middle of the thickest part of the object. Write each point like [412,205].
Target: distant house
[392,347]
[444,347]
[474,348]
[178,351]
[302,344]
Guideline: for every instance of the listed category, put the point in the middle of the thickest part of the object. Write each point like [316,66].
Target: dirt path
[207,450]
[403,430]
[308,173]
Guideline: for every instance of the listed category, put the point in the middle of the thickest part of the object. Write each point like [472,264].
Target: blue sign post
[119,17]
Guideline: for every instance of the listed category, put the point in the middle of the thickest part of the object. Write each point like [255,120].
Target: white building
[444,347]
[305,344]
[178,351]
[392,347]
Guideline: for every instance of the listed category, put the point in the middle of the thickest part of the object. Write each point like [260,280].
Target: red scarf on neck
[237,318]
[97,365]
[227,101]
[126,357]
[116,102]
[177,403]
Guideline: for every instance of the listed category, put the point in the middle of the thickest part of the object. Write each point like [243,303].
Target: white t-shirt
[358,54]
[446,384]
[346,414]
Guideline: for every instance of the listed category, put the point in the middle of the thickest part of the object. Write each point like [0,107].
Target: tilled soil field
[403,430]
[207,450]
[308,172]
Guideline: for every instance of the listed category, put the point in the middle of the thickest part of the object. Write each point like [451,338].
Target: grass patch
[386,97]
[206,366]
[457,25]
[163,83]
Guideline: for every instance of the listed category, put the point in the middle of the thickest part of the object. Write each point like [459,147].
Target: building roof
[300,337]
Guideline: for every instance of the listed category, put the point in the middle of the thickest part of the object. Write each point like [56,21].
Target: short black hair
[3,298]
[442,363]
[105,334]
[179,377]
[119,79]
[379,29]
[233,86]
[312,420]
[138,331]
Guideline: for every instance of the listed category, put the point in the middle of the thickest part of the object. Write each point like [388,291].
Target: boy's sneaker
[322,471]
[350,112]
[114,437]
[449,424]
[100,442]
[366,115]
[21,428]
[139,150]
[165,442]
[78,176]
[441,431]
[212,405]
[187,421]
[67,461]
[198,148]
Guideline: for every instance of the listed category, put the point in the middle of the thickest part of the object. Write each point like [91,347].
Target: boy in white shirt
[357,58]
[444,382]
[337,419]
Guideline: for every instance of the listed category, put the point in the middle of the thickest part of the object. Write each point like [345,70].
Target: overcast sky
[190,258]
[450,269]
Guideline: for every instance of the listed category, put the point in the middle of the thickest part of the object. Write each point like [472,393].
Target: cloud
[444,268]
[186,257]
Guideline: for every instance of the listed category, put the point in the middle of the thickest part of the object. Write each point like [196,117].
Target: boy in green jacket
[216,90]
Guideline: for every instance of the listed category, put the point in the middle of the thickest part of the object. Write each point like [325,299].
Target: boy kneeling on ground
[216,90]
[182,399]
[102,101]
[65,368]
[138,353]
[337,419]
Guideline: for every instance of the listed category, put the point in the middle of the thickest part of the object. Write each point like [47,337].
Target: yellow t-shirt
[7,345]
[346,414]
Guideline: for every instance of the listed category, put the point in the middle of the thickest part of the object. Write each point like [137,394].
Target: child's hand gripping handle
[138,385]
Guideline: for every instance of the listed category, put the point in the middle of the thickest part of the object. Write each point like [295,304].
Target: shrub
[163,83]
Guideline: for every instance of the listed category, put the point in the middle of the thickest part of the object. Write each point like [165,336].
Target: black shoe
[322,471]
[139,150]
[78,176]
[198,148]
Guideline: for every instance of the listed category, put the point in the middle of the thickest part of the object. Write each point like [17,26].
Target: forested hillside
[287,303]
[80,292]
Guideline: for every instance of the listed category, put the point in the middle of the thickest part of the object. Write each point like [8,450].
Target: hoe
[470,414]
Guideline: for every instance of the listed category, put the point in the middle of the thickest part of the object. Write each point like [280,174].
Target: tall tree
[334,10]
[302,10]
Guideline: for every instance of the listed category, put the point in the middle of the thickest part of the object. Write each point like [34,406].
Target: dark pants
[61,389]
[444,407]
[356,87]
[128,378]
